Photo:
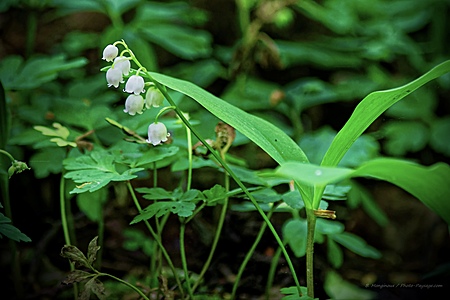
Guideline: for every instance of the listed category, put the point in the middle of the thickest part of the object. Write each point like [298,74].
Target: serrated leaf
[92,250]
[75,255]
[150,155]
[158,209]
[216,193]
[10,231]
[77,276]
[94,171]
[156,193]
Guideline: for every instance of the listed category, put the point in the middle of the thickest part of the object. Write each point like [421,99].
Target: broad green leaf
[271,139]
[292,293]
[428,184]
[10,231]
[47,161]
[91,204]
[147,156]
[337,288]
[355,244]
[294,234]
[158,209]
[95,171]
[370,108]
[182,41]
[329,227]
[334,253]
[404,137]
[18,75]
[293,199]
[309,174]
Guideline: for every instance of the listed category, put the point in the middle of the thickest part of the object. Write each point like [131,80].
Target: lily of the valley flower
[114,77]
[123,64]
[134,105]
[154,97]
[135,84]
[110,52]
[157,133]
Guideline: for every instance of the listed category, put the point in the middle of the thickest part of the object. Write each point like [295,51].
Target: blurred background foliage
[302,65]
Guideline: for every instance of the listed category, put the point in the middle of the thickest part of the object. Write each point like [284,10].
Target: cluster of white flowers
[135,103]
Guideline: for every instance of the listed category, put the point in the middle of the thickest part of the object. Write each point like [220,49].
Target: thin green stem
[101,233]
[273,268]
[125,283]
[183,258]
[189,145]
[157,239]
[8,155]
[65,225]
[311,223]
[250,253]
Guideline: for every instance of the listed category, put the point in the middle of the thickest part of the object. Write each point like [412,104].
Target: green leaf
[216,193]
[293,199]
[337,288]
[10,231]
[370,108]
[18,75]
[356,244]
[94,171]
[47,161]
[292,293]
[334,253]
[294,234]
[310,174]
[428,184]
[403,137]
[267,136]
[329,227]
[440,135]
[91,204]
[185,42]
[156,193]
[158,209]
[147,156]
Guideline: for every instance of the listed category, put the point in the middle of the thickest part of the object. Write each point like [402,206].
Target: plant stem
[157,239]
[125,283]
[65,226]
[250,253]
[271,275]
[311,223]
[183,257]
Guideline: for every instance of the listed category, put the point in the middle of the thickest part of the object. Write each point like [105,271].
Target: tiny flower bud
[134,104]
[114,77]
[135,84]
[123,64]
[157,133]
[17,167]
[110,52]
[154,97]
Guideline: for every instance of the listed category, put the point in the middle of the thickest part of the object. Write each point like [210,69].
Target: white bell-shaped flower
[123,64]
[157,133]
[135,84]
[114,77]
[110,52]
[134,105]
[154,97]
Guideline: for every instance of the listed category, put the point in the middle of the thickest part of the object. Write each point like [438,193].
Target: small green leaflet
[94,171]
[10,231]
[60,134]
[158,209]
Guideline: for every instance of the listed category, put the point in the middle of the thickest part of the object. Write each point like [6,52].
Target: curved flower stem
[189,144]
[157,239]
[250,253]
[125,283]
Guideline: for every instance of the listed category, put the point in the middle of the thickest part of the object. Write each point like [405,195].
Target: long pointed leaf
[428,184]
[370,108]
[267,136]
